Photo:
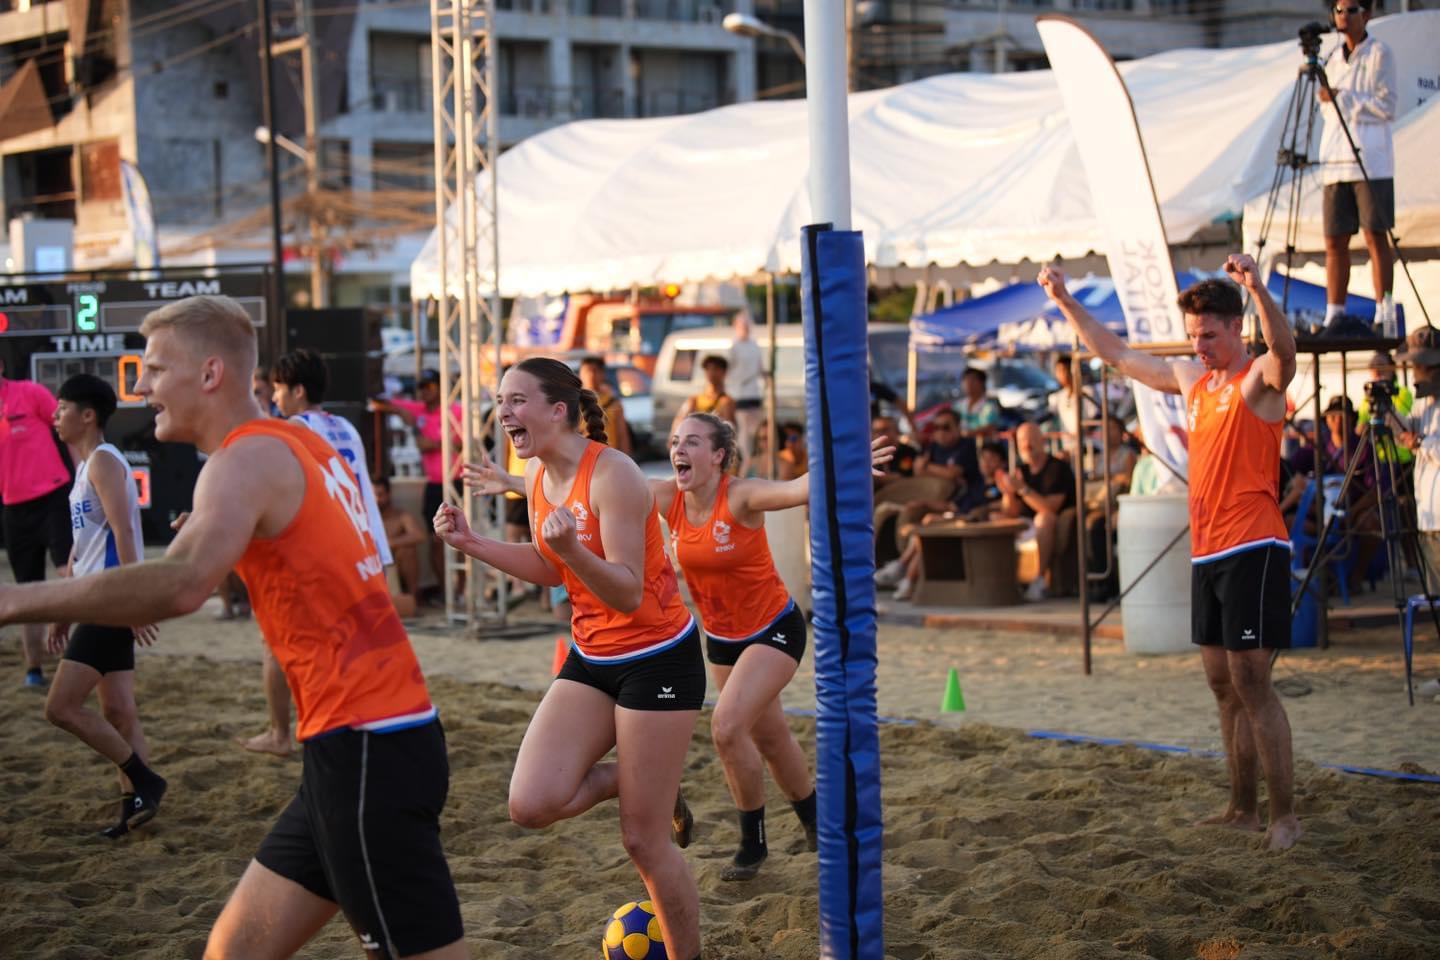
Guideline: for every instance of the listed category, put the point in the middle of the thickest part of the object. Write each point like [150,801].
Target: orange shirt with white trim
[1234,473]
[729,569]
[320,597]
[601,632]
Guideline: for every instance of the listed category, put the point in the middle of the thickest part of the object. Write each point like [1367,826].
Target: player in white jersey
[105,522]
[299,381]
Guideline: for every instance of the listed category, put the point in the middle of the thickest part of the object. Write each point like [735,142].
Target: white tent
[1417,192]
[962,168]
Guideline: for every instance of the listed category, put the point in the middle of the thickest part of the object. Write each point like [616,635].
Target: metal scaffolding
[464,77]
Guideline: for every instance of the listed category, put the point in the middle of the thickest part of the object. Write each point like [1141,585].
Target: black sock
[805,809]
[147,783]
[752,837]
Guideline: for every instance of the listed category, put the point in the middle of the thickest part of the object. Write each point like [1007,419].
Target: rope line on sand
[1157,747]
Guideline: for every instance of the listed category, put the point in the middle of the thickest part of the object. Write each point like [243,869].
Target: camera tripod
[1398,539]
[1297,137]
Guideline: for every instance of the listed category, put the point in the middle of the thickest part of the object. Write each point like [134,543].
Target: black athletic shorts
[34,527]
[1242,601]
[517,513]
[105,649]
[786,633]
[364,832]
[752,403]
[1350,206]
[669,679]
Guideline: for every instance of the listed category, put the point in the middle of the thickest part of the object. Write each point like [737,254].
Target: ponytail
[593,415]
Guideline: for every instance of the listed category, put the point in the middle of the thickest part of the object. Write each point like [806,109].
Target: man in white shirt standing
[745,382]
[1362,91]
[300,380]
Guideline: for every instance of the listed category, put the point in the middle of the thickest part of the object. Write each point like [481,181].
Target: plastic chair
[1303,544]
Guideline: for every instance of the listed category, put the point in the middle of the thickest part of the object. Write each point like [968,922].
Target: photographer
[1363,82]
[1422,351]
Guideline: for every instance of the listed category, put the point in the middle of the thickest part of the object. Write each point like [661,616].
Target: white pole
[826,85]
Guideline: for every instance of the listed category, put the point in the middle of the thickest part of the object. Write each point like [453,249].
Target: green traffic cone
[954,701]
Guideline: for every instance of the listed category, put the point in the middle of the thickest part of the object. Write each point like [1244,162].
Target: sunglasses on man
[1350,10]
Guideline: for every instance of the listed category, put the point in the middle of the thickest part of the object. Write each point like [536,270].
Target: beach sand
[996,844]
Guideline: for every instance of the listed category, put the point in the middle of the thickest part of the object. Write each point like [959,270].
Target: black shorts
[1351,205]
[1242,601]
[786,633]
[670,679]
[750,403]
[517,512]
[104,649]
[364,832]
[34,527]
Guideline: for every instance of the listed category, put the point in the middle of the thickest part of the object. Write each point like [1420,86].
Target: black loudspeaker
[333,332]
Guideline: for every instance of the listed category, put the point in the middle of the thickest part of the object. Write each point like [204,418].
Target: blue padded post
[842,543]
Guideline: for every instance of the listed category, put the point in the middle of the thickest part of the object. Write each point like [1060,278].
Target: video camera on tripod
[1310,41]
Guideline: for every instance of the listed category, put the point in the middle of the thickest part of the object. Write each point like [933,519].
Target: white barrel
[1156,613]
[789,534]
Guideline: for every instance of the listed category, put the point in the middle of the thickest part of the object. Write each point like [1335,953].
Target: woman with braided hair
[635,679]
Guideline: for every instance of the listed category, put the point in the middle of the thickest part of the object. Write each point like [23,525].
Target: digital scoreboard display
[89,307]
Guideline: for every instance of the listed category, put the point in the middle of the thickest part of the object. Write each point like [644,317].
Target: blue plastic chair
[1303,544]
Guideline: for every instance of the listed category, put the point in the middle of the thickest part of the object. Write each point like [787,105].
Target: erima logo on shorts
[666,693]
[1248,634]
[778,638]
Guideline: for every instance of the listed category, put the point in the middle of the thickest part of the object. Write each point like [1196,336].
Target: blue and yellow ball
[633,933]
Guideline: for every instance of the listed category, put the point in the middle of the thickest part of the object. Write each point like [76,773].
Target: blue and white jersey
[342,435]
[92,531]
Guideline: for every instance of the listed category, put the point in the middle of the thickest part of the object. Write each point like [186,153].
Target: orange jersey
[320,597]
[602,633]
[729,569]
[1234,473]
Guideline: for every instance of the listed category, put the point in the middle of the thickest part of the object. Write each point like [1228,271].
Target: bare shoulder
[1187,374]
[257,476]
[620,482]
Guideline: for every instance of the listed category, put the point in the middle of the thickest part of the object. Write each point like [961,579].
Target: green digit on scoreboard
[85,319]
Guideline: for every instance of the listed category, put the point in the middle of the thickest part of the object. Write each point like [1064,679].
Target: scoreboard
[92,325]
[52,330]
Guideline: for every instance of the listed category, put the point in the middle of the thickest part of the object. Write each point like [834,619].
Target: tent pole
[772,465]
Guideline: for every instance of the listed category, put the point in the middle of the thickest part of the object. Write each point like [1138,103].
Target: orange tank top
[602,633]
[729,569]
[1234,473]
[321,600]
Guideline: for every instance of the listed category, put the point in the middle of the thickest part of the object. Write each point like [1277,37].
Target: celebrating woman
[635,679]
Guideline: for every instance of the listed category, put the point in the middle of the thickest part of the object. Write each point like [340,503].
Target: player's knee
[728,731]
[531,810]
[644,842]
[61,713]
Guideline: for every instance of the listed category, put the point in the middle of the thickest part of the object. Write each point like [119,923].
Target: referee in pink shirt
[35,488]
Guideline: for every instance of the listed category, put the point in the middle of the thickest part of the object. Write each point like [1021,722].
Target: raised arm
[1154,372]
[1277,367]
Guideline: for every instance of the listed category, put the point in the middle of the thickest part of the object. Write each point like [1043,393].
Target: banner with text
[1102,120]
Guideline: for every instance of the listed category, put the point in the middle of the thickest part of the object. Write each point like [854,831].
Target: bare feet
[1283,833]
[268,742]
[1234,820]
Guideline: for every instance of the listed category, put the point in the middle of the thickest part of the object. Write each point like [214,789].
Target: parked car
[678,373]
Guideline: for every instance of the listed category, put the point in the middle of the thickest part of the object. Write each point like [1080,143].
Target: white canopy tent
[962,168]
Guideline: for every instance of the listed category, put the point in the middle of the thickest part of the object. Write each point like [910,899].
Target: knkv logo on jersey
[721,532]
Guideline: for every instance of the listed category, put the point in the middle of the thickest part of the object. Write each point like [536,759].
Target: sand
[996,845]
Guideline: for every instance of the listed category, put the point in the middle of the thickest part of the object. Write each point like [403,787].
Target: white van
[678,373]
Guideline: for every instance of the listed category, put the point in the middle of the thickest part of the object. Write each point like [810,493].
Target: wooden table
[968,564]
